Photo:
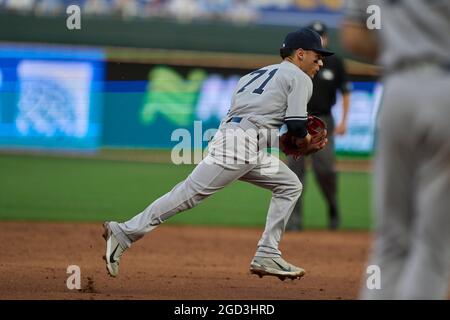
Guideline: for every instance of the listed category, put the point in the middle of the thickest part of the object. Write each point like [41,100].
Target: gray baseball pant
[210,176]
[412,187]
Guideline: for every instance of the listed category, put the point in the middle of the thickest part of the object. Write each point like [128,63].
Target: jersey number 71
[259,73]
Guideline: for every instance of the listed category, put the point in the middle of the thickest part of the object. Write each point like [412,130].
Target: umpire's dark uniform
[330,78]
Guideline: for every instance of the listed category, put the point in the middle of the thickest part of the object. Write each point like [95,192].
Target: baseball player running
[264,99]
[412,163]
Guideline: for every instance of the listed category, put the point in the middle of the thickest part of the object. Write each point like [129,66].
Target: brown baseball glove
[297,147]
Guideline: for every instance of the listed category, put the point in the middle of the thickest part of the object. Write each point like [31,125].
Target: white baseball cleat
[113,251]
[277,267]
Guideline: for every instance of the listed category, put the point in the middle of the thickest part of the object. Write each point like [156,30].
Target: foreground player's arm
[355,36]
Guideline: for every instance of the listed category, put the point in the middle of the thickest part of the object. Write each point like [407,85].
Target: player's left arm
[297,139]
[296,118]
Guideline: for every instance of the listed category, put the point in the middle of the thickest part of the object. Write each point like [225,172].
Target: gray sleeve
[300,92]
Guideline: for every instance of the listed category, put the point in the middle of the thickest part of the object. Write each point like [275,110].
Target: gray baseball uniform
[412,165]
[263,99]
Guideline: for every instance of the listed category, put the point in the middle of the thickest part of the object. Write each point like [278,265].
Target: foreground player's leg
[394,196]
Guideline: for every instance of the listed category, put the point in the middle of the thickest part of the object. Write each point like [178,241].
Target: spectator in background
[128,8]
[20,5]
[242,11]
[330,79]
[98,7]
[185,10]
[49,7]
[155,8]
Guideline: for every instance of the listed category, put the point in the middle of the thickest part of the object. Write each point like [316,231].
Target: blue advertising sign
[145,114]
[50,98]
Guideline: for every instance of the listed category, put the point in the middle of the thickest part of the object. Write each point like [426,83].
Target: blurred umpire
[331,78]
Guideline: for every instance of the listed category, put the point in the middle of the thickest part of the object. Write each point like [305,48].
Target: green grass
[34,187]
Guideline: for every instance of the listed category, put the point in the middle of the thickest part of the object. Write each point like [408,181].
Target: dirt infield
[175,262]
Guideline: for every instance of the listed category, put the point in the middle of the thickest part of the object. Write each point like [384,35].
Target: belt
[234,119]
[244,123]
[245,126]
[413,64]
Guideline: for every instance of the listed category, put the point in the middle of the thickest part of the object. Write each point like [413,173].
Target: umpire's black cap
[307,39]
[318,27]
